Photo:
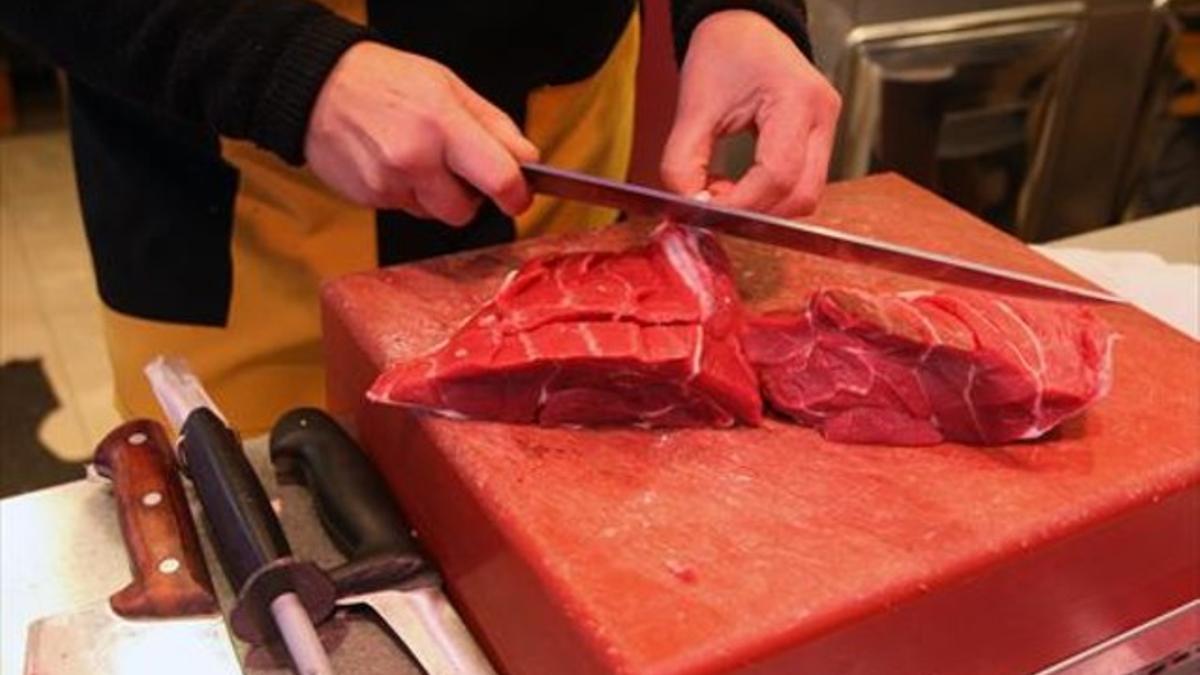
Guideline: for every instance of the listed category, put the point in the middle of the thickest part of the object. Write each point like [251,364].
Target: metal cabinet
[1022,113]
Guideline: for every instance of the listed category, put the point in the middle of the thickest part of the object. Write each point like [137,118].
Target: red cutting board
[770,550]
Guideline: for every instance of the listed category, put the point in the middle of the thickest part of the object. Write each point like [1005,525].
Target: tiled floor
[49,309]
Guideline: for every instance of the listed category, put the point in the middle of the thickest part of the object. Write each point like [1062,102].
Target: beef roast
[647,336]
[656,336]
[920,368]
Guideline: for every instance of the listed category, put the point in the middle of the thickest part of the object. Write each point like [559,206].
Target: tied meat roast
[655,336]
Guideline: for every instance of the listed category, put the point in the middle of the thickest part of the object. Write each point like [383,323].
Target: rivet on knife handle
[170,578]
[351,499]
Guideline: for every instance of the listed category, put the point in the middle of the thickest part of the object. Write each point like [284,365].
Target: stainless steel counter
[61,548]
[1174,237]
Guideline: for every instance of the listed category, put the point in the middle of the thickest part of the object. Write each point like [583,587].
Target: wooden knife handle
[170,578]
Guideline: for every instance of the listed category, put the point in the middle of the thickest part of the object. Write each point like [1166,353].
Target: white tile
[48,304]
[98,413]
[63,434]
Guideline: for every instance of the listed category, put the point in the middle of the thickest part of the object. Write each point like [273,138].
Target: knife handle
[351,498]
[246,532]
[170,578]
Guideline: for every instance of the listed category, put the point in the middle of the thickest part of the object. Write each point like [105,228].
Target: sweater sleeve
[244,68]
[787,15]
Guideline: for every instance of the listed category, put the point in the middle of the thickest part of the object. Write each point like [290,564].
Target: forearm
[245,68]
[788,15]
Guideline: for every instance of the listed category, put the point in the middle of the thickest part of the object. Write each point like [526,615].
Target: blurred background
[1046,119]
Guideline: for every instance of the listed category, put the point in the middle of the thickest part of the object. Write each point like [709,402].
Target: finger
[779,159]
[498,123]
[719,187]
[445,197]
[685,160]
[757,190]
[386,186]
[476,156]
[415,209]
[405,199]
[803,199]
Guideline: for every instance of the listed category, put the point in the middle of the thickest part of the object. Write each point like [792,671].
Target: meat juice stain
[681,571]
[760,276]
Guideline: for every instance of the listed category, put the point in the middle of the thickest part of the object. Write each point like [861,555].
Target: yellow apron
[291,234]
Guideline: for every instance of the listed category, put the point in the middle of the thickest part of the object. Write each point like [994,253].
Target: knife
[805,237]
[167,619]
[278,595]
[386,569]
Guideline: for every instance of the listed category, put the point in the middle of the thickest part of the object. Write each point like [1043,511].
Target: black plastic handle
[246,531]
[249,540]
[352,500]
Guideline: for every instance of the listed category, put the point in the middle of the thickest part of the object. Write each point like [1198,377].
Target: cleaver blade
[98,640]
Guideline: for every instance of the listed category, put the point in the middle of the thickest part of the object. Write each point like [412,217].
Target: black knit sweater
[252,68]
[155,83]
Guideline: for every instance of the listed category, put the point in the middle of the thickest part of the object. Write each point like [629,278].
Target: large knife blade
[167,619]
[386,569]
[644,201]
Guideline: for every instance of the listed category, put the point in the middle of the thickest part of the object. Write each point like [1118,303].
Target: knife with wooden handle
[167,619]
[386,570]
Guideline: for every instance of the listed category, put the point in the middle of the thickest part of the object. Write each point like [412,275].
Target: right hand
[394,130]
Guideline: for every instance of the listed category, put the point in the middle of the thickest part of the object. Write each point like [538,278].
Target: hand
[394,130]
[741,72]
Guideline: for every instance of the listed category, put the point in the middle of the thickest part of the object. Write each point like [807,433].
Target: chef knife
[278,595]
[805,237]
[167,619]
[386,569]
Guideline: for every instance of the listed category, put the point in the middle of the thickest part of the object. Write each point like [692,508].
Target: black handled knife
[386,569]
[278,594]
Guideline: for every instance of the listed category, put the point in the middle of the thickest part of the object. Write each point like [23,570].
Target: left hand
[741,72]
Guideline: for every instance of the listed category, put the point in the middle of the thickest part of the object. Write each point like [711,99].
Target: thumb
[686,156]
[720,187]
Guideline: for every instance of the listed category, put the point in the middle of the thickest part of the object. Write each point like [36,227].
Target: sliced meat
[922,368]
[648,336]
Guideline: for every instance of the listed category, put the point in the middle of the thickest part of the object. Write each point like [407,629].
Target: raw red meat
[917,369]
[647,336]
